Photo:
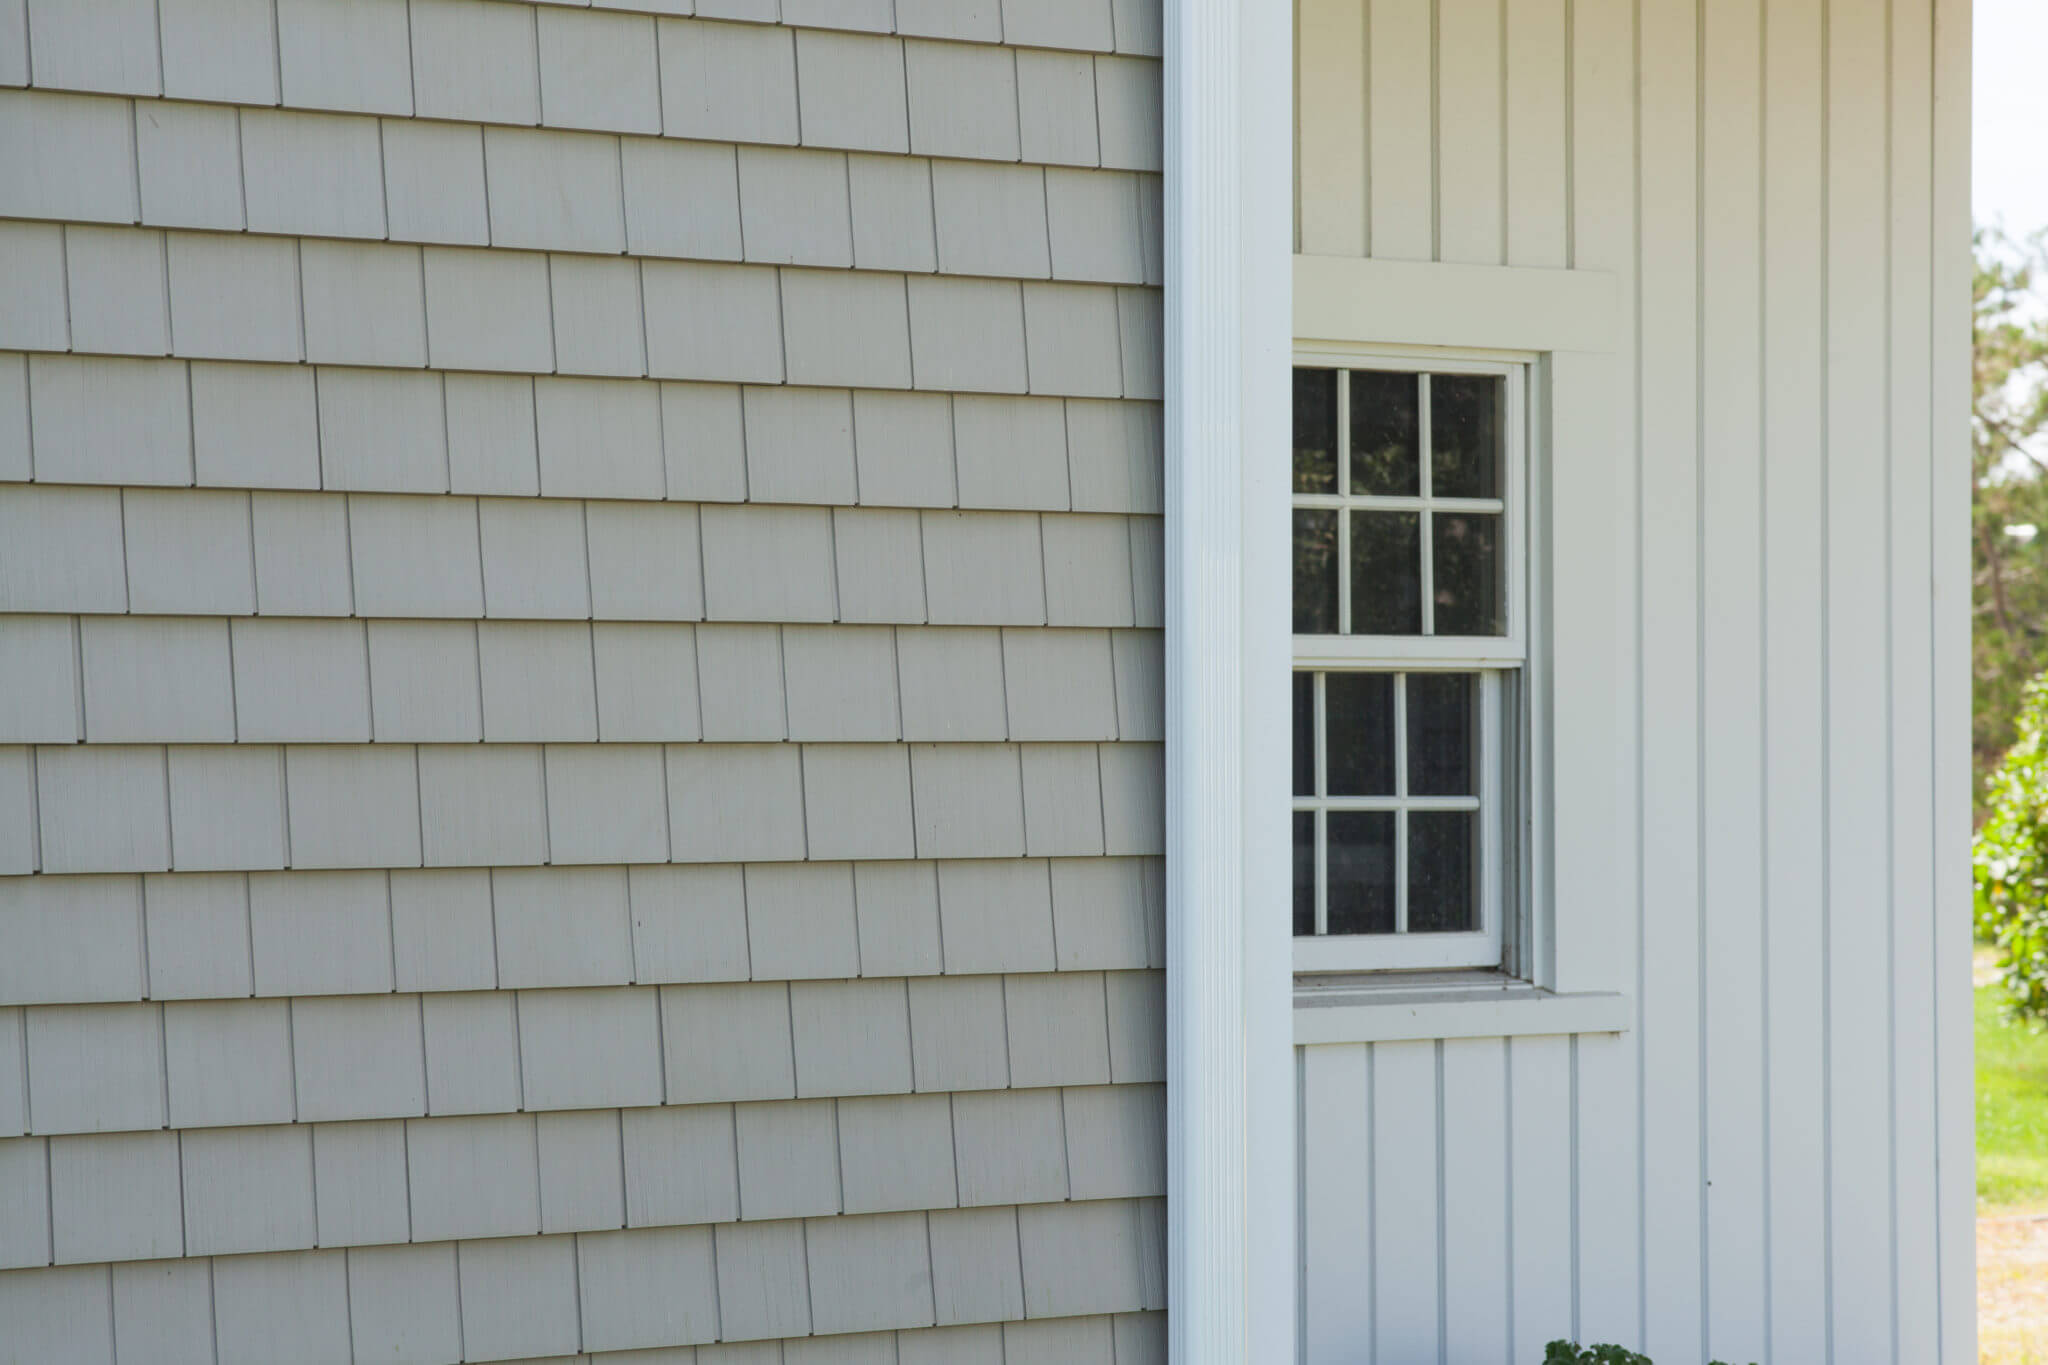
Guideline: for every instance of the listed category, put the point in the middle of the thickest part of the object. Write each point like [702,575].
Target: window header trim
[1350,300]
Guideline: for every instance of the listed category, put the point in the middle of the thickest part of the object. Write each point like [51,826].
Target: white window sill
[1360,1009]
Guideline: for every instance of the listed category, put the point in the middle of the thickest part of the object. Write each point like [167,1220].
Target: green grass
[2012,1110]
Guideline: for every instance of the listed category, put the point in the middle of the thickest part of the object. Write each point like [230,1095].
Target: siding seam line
[1891,887]
[1702,896]
[49,1171]
[1934,691]
[1436,232]
[1505,152]
[1571,128]
[348,1293]
[1372,1200]
[212,1311]
[170,837]
[241,177]
[1636,690]
[1827,871]
[1572,1129]
[1763,618]
[1507,1161]
[142,945]
[1365,125]
[1442,1171]
[78,729]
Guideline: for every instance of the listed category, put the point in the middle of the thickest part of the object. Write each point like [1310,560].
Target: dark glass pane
[1386,573]
[1304,734]
[1304,873]
[1442,889]
[1468,591]
[1361,871]
[1315,572]
[1385,451]
[1443,737]
[1315,431]
[1358,724]
[1464,435]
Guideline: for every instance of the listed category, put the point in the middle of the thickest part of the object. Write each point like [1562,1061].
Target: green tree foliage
[2009,411]
[2011,860]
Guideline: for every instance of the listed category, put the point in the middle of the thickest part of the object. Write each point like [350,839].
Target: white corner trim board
[1228,87]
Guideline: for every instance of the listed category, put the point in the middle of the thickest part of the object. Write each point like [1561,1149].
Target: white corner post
[1231,1247]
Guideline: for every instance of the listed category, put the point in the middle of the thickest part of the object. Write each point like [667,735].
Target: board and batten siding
[580,700]
[1773,1163]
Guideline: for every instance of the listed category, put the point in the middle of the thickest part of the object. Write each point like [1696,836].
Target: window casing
[1411,552]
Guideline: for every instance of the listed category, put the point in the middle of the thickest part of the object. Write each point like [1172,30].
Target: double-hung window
[1410,645]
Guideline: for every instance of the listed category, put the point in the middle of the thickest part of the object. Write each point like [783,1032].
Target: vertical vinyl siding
[1607,1160]
[1732,663]
[580,763]
[1770,1165]
[1910,351]
[1669,740]
[1794,702]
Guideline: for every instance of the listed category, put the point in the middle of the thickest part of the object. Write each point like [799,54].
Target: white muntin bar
[1397,502]
[1322,751]
[1342,502]
[1426,536]
[1401,803]
[1344,803]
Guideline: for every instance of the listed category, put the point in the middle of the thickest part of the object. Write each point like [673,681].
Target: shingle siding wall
[580,699]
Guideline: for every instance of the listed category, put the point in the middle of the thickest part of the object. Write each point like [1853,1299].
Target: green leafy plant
[2010,859]
[1571,1353]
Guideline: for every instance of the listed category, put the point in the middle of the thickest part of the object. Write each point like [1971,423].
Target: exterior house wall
[1773,1162]
[580,698]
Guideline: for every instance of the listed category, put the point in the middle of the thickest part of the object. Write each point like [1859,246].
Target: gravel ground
[2012,1290]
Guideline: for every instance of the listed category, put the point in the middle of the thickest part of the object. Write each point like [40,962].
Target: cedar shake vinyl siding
[580,699]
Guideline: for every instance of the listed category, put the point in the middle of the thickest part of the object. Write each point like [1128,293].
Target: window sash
[1511,507]
[1403,949]
[1498,660]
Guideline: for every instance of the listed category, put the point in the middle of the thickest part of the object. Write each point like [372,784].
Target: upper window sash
[1510,647]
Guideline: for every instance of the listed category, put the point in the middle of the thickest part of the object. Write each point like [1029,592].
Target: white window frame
[1501,796]
[1560,968]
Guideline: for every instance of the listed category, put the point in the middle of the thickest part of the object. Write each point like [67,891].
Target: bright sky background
[2009,164]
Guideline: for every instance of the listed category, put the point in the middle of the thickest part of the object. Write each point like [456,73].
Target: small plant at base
[1571,1353]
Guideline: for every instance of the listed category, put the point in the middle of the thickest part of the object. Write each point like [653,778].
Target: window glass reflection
[1385,452]
[1315,431]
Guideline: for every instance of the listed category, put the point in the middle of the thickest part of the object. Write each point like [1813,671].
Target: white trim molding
[1424,303]
[1230,1076]
[1479,1006]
